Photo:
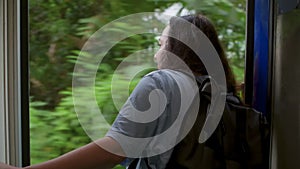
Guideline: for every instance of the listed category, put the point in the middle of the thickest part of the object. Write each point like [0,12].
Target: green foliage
[58,30]
[230,19]
[54,132]
[53,25]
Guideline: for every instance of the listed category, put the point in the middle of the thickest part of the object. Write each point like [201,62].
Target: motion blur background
[57,32]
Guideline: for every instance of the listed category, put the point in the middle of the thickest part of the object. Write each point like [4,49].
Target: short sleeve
[139,102]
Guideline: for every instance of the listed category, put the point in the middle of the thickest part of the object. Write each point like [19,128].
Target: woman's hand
[5,166]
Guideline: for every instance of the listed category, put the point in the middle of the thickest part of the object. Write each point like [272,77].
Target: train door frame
[285,129]
[14,100]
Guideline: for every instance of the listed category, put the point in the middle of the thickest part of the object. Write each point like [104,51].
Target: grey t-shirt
[153,109]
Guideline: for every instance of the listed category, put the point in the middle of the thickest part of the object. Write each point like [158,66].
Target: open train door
[272,76]
[286,86]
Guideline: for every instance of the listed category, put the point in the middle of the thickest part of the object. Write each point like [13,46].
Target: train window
[59,30]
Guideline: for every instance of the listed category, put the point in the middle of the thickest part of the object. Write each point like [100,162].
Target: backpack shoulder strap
[203,82]
[204,85]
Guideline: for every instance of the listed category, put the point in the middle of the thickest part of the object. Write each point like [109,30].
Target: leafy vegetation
[58,31]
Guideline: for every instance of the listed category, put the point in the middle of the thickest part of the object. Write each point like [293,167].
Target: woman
[177,63]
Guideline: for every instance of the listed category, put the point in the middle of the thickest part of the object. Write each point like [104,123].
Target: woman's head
[186,54]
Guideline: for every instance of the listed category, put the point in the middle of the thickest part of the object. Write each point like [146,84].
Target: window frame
[249,62]
[14,100]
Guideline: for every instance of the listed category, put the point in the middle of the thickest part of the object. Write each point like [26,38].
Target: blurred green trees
[58,31]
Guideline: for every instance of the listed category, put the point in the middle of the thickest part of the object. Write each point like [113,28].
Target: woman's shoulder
[156,79]
[157,73]
[166,73]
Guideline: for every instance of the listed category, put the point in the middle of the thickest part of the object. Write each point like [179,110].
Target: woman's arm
[90,156]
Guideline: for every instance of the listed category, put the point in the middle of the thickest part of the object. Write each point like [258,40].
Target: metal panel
[286,92]
[287,5]
[11,137]
[2,108]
